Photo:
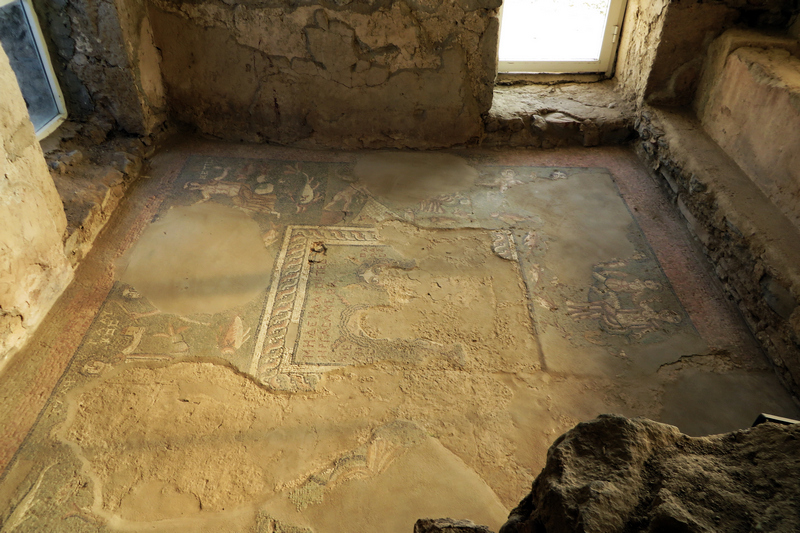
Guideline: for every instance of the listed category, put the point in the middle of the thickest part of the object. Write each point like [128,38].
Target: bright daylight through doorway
[559,35]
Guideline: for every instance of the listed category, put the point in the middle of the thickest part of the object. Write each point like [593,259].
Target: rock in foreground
[448,525]
[615,474]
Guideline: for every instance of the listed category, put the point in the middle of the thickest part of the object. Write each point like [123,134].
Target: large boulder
[615,474]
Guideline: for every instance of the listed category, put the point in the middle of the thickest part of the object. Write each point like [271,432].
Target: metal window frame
[604,65]
[44,55]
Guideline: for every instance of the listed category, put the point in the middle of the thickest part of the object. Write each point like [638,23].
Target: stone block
[699,231]
[591,133]
[752,110]
[778,297]
[575,114]
[448,525]
[615,474]
[128,164]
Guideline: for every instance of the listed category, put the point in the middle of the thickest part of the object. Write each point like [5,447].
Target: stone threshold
[552,115]
[753,246]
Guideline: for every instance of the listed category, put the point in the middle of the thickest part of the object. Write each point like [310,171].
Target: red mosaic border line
[76,316]
[714,318]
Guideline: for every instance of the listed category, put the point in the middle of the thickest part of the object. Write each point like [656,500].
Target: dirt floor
[267,339]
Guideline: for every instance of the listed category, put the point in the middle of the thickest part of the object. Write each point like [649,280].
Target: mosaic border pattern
[280,320]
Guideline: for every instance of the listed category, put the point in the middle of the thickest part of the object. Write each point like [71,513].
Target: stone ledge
[752,245]
[547,116]
[91,174]
[749,104]
[726,44]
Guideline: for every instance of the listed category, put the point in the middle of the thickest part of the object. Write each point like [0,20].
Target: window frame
[44,55]
[604,65]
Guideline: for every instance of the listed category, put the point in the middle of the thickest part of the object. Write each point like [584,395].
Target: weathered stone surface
[664,43]
[106,61]
[549,116]
[751,243]
[92,178]
[752,111]
[615,474]
[641,35]
[722,47]
[33,269]
[448,525]
[388,74]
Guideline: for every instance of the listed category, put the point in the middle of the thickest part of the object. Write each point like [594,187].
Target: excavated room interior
[318,267]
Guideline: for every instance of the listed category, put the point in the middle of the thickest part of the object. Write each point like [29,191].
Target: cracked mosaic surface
[293,341]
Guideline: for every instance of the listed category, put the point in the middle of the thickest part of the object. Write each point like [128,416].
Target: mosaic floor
[273,340]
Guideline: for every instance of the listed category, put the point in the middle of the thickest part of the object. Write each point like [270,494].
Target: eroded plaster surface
[33,268]
[379,74]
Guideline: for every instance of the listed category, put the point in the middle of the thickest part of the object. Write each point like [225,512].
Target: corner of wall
[794,29]
[33,268]
[106,62]
[641,34]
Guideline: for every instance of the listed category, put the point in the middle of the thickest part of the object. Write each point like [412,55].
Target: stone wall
[33,268]
[641,34]
[749,103]
[689,28]
[762,88]
[106,62]
[406,73]
[734,176]
[751,244]
[664,43]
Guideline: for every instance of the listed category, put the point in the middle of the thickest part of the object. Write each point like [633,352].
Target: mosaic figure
[215,187]
[346,196]
[261,201]
[308,192]
[623,303]
[503,245]
[233,336]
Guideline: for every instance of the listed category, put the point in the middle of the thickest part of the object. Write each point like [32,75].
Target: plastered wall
[353,73]
[33,268]
[404,73]
[749,103]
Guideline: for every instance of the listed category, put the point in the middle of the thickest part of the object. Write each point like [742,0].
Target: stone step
[755,248]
